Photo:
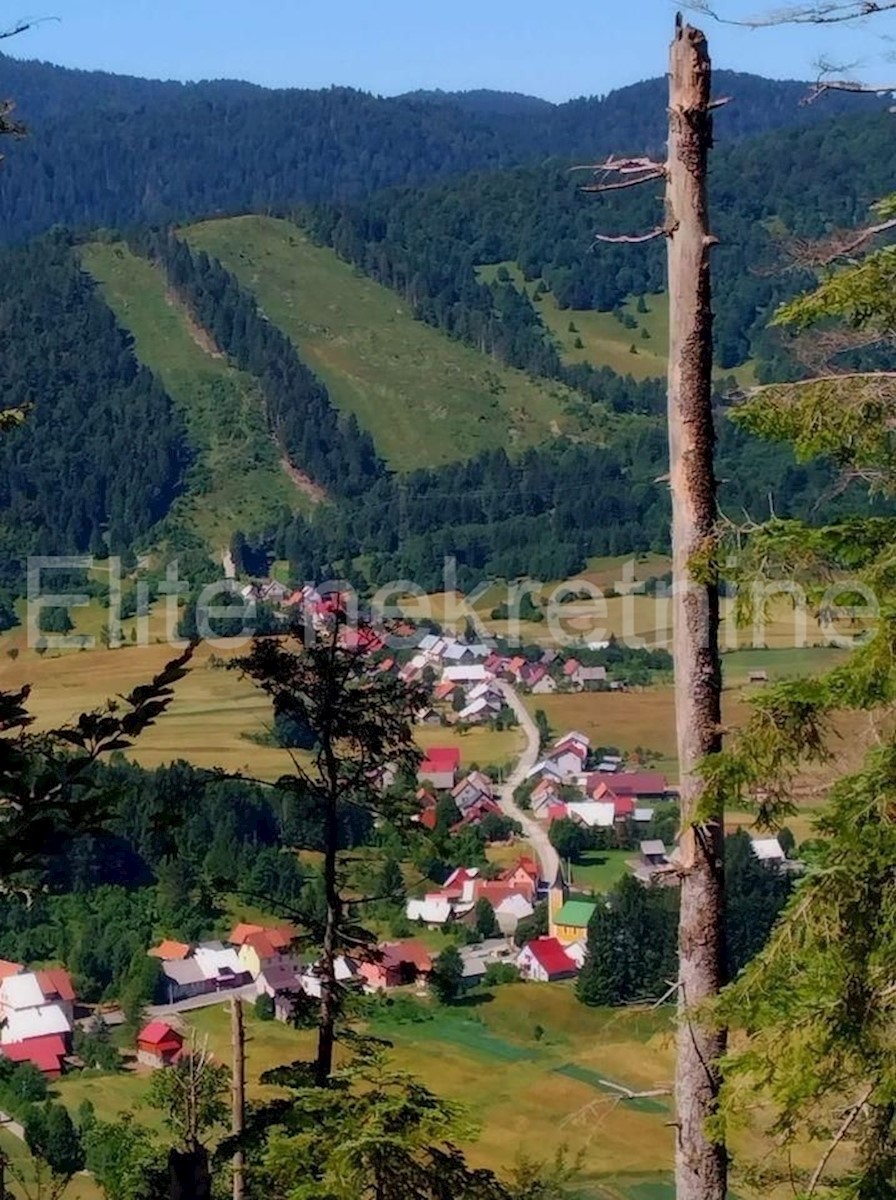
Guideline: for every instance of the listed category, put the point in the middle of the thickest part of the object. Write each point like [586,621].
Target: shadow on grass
[475,1000]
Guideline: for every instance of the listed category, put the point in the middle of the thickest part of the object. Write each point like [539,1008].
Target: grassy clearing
[486,1055]
[602,340]
[426,399]
[599,870]
[238,481]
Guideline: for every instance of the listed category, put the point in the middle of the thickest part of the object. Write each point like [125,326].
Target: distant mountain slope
[484,100]
[238,480]
[426,399]
[106,150]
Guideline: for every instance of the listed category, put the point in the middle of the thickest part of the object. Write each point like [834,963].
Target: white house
[466,673]
[431,910]
[768,850]
[593,814]
[544,960]
[511,911]
[345,970]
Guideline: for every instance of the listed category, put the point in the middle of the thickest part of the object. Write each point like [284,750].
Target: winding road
[548,859]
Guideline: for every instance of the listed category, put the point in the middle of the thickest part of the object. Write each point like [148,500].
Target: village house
[569,756]
[545,793]
[36,1011]
[631,785]
[397,964]
[221,966]
[433,910]
[428,716]
[47,1053]
[439,768]
[182,979]
[544,960]
[769,851]
[590,679]
[471,673]
[524,875]
[511,910]
[278,978]
[170,951]
[159,1045]
[478,958]
[260,948]
[9,968]
[472,791]
[592,814]
[346,971]
[569,923]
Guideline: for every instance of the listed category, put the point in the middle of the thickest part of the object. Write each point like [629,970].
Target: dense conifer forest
[106,150]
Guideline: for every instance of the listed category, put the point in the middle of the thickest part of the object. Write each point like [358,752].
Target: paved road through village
[547,856]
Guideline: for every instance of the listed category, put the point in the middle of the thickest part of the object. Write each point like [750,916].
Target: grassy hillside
[602,340]
[427,400]
[238,481]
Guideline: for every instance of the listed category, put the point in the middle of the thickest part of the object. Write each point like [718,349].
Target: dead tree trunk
[701,1162]
[238,1110]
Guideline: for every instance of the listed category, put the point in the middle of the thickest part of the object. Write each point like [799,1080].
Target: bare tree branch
[627,183]
[660,232]
[851,1114]
[821,12]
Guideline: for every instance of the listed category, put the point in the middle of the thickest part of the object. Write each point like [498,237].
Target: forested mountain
[102,451]
[106,150]
[105,453]
[427,244]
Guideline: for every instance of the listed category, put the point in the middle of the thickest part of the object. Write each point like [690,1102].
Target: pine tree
[601,980]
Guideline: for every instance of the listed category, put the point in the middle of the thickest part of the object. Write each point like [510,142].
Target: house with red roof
[568,757]
[9,968]
[396,964]
[46,1052]
[56,985]
[440,767]
[159,1045]
[523,875]
[557,812]
[627,785]
[544,960]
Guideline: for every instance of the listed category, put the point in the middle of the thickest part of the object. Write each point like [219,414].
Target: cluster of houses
[36,1016]
[512,896]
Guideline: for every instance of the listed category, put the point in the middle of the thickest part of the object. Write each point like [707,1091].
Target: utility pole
[238,1108]
[700,1160]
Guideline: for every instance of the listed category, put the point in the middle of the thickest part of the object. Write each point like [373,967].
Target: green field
[426,399]
[238,481]
[599,870]
[528,1093]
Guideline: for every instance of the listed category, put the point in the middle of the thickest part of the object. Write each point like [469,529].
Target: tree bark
[701,1161]
[238,1111]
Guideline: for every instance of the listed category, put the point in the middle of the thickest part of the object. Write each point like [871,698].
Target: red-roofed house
[570,667]
[397,965]
[568,756]
[9,968]
[646,785]
[524,876]
[557,812]
[46,1053]
[545,960]
[159,1045]
[56,985]
[440,767]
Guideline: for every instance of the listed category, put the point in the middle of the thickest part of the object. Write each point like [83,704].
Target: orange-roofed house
[523,877]
[170,951]
[159,1045]
[56,985]
[10,968]
[265,949]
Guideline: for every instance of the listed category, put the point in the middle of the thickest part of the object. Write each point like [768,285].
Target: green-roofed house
[569,923]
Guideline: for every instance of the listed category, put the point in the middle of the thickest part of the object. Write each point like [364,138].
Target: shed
[159,1044]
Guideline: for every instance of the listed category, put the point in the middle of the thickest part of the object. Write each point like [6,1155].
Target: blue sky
[556,50]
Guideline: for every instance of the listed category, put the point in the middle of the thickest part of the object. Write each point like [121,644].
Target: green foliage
[484,920]
[446,976]
[50,1135]
[125,1160]
[192,1096]
[569,839]
[264,1007]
